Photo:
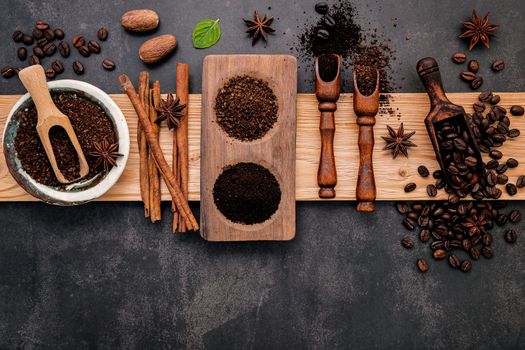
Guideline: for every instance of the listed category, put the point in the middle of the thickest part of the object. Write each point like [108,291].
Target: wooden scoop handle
[327,173]
[34,80]
[366,184]
[428,71]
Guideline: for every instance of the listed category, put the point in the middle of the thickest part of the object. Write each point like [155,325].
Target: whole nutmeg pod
[140,21]
[155,49]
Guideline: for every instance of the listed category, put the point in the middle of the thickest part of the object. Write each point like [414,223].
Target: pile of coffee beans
[46,41]
[457,232]
[471,75]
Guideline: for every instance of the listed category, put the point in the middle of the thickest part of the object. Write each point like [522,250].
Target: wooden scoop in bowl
[34,80]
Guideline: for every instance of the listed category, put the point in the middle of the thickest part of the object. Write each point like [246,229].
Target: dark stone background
[101,276]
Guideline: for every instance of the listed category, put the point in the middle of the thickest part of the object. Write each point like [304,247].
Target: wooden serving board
[391,174]
[275,150]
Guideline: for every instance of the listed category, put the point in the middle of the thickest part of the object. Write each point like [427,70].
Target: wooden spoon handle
[34,80]
[327,173]
[428,71]
[366,185]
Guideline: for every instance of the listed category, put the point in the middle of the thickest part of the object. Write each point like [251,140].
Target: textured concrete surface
[100,276]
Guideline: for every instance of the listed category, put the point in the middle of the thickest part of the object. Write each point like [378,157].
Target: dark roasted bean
[38,52]
[84,51]
[78,68]
[473,66]
[63,48]
[50,49]
[41,25]
[476,83]
[495,100]
[407,243]
[21,53]
[459,57]
[515,216]
[475,253]
[517,110]
[57,66]
[498,65]
[37,34]
[8,72]
[409,224]
[513,133]
[422,265]
[439,254]
[50,73]
[410,187]
[492,164]
[511,189]
[466,265]
[102,33]
[502,179]
[468,76]
[501,219]
[502,168]
[33,60]
[424,235]
[495,154]
[423,171]
[59,34]
[49,34]
[479,107]
[485,96]
[78,41]
[520,182]
[487,252]
[454,261]
[17,36]
[93,46]
[27,39]
[510,236]
[402,208]
[108,64]
[466,244]
[431,190]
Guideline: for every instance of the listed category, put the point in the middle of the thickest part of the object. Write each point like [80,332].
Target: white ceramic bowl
[75,193]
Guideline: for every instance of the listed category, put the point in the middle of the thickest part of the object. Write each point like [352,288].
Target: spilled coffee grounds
[328,67]
[247,193]
[246,108]
[91,124]
[366,77]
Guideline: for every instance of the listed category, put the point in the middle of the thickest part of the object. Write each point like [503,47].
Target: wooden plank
[275,151]
[391,175]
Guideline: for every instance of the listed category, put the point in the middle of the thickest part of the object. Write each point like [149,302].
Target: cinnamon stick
[165,170]
[182,88]
[143,146]
[154,177]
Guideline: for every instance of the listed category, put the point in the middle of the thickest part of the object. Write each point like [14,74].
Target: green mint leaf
[206,33]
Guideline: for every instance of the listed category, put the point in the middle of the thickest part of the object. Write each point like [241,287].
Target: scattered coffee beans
[423,171]
[498,65]
[321,8]
[102,34]
[63,48]
[21,53]
[407,243]
[517,110]
[84,51]
[78,68]
[8,72]
[57,66]
[410,187]
[59,34]
[473,66]
[94,46]
[78,41]
[17,36]
[459,57]
[422,265]
[108,64]
[510,236]
[515,216]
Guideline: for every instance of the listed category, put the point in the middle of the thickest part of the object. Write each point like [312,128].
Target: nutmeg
[140,21]
[155,49]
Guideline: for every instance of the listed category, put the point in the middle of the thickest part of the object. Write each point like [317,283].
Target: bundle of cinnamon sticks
[149,169]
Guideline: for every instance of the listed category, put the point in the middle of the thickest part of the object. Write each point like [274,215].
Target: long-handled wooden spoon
[327,93]
[34,80]
[366,108]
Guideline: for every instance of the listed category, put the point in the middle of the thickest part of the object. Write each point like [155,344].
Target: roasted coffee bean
[402,208]
[502,168]
[63,48]
[57,66]
[512,163]
[501,219]
[459,57]
[78,68]
[413,215]
[454,261]
[423,171]
[487,252]
[485,96]
[439,254]
[441,230]
[8,72]
[320,7]
[515,216]
[497,193]
[502,179]
[436,245]
[466,266]
[423,221]
[495,100]
[78,41]
[329,21]
[468,76]
[409,224]
[437,174]
[520,182]
[495,154]
[431,190]
[510,236]
[84,51]
[479,107]
[108,64]
[41,42]
[59,34]
[453,198]
[50,49]
[407,243]
[50,73]
[17,36]
[447,245]
[422,265]
[49,34]
[498,65]
[511,189]
[323,34]
[27,39]
[424,235]
[499,138]
[41,25]
[517,110]
[475,253]
[21,53]
[410,187]
[102,33]
[466,244]
[38,52]
[93,46]
[37,34]
[476,83]
[473,66]
[33,60]
[513,133]
[471,161]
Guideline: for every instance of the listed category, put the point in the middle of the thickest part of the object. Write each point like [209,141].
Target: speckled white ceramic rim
[121,125]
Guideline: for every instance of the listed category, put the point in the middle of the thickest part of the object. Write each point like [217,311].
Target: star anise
[106,154]
[259,28]
[398,142]
[476,224]
[171,110]
[479,29]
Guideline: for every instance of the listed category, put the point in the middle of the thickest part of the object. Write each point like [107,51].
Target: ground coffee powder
[247,193]
[91,125]
[246,108]
[328,67]
[366,79]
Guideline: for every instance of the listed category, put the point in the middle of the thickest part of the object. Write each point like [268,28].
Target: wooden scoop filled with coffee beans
[49,116]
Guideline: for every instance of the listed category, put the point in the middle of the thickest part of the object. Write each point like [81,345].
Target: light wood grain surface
[391,175]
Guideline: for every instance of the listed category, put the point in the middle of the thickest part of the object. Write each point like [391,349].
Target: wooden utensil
[366,108]
[49,116]
[327,93]
[441,109]
[275,151]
